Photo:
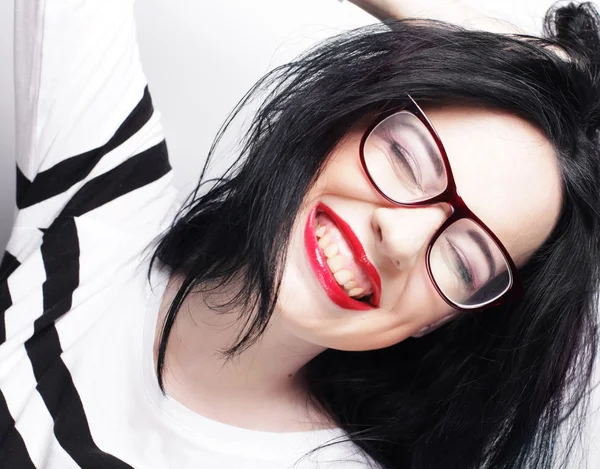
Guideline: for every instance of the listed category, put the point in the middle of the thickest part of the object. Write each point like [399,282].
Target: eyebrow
[487,252]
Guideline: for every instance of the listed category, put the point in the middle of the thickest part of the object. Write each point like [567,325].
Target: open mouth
[339,261]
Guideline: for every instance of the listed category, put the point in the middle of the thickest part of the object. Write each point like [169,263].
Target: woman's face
[505,171]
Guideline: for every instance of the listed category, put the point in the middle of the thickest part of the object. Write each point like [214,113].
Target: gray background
[200,58]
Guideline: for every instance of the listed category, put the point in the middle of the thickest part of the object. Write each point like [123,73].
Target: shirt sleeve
[93,174]
[87,132]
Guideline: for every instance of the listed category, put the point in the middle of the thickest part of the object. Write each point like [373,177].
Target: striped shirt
[77,312]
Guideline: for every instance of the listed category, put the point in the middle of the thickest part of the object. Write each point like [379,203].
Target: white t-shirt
[77,312]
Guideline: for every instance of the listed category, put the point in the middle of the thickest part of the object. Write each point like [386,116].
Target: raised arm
[82,106]
[93,176]
[451,11]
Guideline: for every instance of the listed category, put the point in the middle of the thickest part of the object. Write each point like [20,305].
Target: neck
[260,388]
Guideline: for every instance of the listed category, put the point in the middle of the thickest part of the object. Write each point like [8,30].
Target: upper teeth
[331,250]
[325,240]
[336,262]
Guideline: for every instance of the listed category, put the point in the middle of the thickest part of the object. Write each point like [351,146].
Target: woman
[288,315]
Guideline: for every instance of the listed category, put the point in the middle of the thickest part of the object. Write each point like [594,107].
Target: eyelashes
[464,270]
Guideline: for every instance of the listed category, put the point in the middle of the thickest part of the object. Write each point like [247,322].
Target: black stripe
[23,187]
[63,175]
[133,173]
[60,253]
[7,267]
[13,452]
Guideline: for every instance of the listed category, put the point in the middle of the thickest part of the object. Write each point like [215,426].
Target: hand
[451,11]
[381,9]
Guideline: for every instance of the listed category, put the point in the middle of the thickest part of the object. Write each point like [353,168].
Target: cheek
[343,175]
[419,301]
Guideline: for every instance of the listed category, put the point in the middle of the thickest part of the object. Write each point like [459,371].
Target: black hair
[497,389]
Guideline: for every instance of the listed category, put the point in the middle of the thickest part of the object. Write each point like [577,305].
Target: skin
[507,173]
[452,11]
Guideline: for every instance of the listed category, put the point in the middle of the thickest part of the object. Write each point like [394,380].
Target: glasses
[406,162]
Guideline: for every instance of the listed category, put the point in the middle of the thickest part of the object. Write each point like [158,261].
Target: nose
[403,233]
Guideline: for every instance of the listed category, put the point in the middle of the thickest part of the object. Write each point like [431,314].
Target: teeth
[324,241]
[331,250]
[343,276]
[336,263]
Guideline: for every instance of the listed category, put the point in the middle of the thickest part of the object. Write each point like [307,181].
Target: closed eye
[406,160]
[462,267]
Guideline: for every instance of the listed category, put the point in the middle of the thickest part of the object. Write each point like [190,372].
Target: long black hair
[489,390]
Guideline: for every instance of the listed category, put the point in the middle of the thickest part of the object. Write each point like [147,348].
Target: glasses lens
[403,159]
[468,266]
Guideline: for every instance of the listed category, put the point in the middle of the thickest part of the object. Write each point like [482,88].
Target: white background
[201,57]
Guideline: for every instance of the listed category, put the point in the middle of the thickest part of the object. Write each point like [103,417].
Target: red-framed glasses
[405,160]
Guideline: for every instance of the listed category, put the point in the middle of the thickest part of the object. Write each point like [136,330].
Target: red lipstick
[319,266]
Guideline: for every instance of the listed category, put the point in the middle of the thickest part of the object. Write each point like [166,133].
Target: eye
[461,267]
[404,163]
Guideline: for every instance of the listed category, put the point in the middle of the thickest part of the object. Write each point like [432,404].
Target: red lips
[318,262]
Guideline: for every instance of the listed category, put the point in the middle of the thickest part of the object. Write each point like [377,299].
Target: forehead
[505,170]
